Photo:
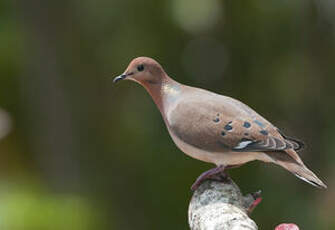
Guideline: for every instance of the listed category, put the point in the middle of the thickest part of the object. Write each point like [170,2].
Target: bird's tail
[302,172]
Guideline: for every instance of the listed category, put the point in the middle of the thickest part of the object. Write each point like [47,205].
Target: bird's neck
[164,93]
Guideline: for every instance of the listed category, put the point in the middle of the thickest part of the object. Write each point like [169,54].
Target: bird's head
[143,70]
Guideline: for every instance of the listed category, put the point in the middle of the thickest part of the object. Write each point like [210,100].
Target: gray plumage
[216,128]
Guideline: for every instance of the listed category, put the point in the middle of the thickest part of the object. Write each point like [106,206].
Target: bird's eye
[140,67]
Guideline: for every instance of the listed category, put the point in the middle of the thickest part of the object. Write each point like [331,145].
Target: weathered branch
[220,205]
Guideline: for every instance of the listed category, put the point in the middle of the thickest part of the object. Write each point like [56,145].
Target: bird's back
[214,122]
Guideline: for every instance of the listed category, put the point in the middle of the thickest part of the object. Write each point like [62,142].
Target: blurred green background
[85,154]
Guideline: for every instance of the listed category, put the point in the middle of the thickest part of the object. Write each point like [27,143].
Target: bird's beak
[121,77]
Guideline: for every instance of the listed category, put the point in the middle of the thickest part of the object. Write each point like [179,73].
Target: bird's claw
[216,174]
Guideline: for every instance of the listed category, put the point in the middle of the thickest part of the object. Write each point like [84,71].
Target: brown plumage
[215,128]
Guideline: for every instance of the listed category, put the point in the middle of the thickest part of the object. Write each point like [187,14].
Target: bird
[215,128]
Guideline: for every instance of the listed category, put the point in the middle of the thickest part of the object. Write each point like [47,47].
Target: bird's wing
[217,124]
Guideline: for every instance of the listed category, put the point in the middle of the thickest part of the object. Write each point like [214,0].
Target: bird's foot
[217,174]
[251,201]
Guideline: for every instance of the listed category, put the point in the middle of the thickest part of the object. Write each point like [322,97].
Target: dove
[214,128]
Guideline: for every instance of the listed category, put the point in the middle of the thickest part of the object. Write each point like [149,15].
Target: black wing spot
[264,132]
[216,120]
[228,127]
[223,133]
[246,124]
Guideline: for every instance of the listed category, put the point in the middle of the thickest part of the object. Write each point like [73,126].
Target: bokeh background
[79,153]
